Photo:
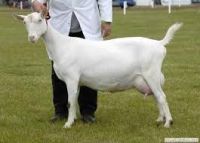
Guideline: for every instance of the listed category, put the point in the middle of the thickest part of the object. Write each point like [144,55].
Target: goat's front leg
[72,88]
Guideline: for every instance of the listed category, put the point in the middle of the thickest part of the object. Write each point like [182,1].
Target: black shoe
[58,117]
[88,118]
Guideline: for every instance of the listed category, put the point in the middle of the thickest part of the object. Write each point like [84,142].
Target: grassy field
[124,117]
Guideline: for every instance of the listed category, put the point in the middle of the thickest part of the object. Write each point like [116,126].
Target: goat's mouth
[32,40]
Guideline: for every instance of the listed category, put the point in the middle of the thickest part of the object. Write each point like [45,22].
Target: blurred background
[117,3]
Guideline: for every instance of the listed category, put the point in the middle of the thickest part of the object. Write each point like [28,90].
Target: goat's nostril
[31,38]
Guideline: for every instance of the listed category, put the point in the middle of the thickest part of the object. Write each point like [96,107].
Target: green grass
[124,117]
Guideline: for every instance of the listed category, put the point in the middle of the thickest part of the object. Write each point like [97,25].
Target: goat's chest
[58,71]
[65,71]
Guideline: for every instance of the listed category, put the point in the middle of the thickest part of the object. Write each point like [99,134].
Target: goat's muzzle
[32,38]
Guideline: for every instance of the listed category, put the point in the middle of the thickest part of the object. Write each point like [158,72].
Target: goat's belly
[107,86]
[118,84]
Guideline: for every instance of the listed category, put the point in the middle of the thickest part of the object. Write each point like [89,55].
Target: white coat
[110,65]
[89,13]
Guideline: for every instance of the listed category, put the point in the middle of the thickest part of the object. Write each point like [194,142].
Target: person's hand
[106,29]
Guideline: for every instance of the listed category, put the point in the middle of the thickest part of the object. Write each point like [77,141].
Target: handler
[89,19]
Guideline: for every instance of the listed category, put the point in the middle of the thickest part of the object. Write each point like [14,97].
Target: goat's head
[35,24]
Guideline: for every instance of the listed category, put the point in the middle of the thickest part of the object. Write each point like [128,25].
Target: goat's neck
[54,43]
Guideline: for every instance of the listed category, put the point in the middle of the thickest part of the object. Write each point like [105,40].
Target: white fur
[111,65]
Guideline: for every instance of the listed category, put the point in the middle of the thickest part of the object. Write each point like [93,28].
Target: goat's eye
[40,20]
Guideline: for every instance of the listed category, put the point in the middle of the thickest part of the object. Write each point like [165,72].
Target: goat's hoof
[158,123]
[160,120]
[168,123]
[67,126]
[171,122]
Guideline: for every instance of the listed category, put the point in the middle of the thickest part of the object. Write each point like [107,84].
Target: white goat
[111,65]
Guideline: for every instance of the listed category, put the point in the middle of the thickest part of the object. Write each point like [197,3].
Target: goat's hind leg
[161,117]
[155,85]
[72,88]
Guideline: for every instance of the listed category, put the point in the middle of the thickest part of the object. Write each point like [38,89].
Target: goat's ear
[19,17]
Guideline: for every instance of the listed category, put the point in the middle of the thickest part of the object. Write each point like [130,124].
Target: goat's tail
[170,33]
